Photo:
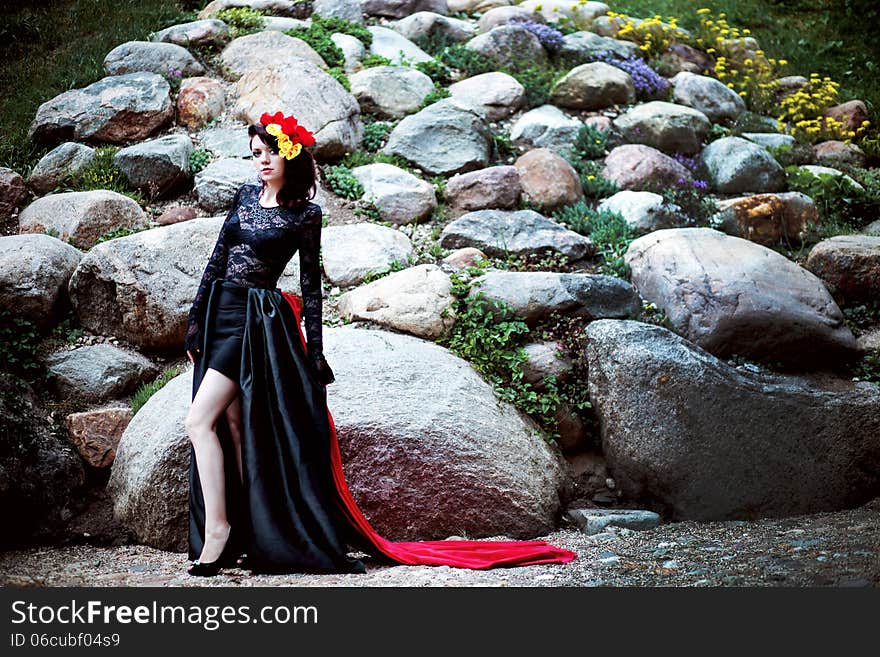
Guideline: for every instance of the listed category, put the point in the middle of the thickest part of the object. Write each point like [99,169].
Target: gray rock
[312,95]
[511,45]
[416,300]
[708,95]
[705,441]
[499,94]
[353,251]
[58,165]
[217,183]
[116,109]
[415,449]
[82,217]
[543,359]
[818,170]
[194,33]
[402,8]
[517,232]
[226,142]
[284,23]
[736,165]
[535,295]
[552,12]
[34,272]
[872,228]
[256,51]
[392,91]
[593,86]
[430,24]
[133,56]
[666,126]
[400,196]
[769,139]
[41,475]
[148,480]
[353,50]
[446,137]
[586,46]
[732,296]
[99,372]
[140,287]
[348,10]
[643,211]
[393,45]
[594,521]
[157,166]
[638,167]
[849,265]
[546,126]
[276,7]
[492,187]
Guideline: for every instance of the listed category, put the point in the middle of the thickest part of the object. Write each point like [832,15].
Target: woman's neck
[269,196]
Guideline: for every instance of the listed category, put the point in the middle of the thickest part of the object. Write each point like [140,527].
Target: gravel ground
[826,549]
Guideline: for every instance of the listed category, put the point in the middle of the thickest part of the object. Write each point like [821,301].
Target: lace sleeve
[310,279]
[215,269]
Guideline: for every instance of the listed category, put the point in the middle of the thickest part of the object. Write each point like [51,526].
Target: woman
[259,396]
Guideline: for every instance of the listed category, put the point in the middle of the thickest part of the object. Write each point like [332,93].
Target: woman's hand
[325,374]
[191,356]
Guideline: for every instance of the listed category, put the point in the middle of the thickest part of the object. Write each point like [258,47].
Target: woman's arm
[310,284]
[215,269]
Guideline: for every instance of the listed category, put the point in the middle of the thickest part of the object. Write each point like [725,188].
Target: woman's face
[269,164]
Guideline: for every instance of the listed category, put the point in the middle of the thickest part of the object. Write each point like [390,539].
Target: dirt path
[825,549]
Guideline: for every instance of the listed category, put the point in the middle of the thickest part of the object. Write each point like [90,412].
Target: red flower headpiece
[291,136]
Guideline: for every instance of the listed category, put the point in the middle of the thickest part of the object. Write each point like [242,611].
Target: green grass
[51,46]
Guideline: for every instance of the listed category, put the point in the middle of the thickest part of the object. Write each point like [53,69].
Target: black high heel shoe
[227,559]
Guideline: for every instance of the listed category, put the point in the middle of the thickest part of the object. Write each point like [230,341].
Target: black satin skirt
[284,511]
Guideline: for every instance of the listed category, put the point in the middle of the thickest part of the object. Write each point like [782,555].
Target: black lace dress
[284,511]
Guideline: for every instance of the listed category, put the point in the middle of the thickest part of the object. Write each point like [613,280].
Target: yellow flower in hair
[286,148]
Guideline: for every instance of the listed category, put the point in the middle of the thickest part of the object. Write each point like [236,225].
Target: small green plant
[467,61]
[393,266]
[437,71]
[338,73]
[868,369]
[19,340]
[595,185]
[375,134]
[241,20]
[198,160]
[576,216]
[319,39]
[143,394]
[103,174]
[369,211]
[122,231]
[343,183]
[439,92]
[375,60]
[537,82]
[590,143]
[839,201]
[608,231]
[502,147]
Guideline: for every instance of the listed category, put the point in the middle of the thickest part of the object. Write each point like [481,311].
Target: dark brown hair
[299,173]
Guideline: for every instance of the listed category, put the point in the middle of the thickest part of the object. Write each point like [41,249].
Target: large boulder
[499,94]
[665,126]
[394,46]
[737,165]
[59,164]
[99,372]
[400,197]
[769,218]
[116,109]
[849,265]
[514,232]
[703,440]
[392,91]
[208,31]
[511,45]
[492,187]
[548,179]
[414,450]
[352,252]
[149,482]
[637,167]
[709,95]
[732,296]
[267,48]
[416,300]
[431,24]
[402,8]
[151,56]
[546,126]
[34,272]
[593,86]
[449,136]
[158,166]
[82,217]
[217,183]
[140,287]
[315,97]
[535,295]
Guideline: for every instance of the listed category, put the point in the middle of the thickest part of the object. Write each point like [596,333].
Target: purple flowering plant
[549,37]
[648,83]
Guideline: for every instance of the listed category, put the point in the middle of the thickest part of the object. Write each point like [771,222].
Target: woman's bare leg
[233,421]
[213,396]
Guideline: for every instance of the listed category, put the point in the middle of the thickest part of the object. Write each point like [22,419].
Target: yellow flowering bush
[802,113]
[652,35]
